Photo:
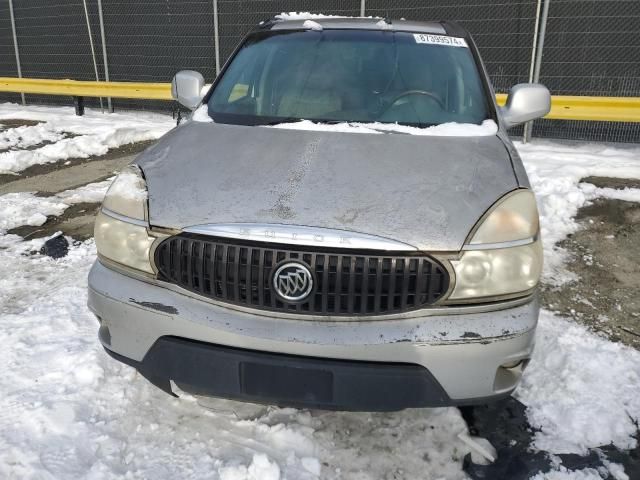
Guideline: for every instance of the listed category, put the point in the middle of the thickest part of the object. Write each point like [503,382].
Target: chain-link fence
[8,64]
[592,47]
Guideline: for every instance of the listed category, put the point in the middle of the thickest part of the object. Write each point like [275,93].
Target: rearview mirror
[526,101]
[186,88]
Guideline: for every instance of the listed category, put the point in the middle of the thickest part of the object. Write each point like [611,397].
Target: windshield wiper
[297,119]
[279,121]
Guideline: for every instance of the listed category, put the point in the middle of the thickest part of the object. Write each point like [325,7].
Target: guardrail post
[78,102]
[15,46]
[104,52]
[528,127]
[363,7]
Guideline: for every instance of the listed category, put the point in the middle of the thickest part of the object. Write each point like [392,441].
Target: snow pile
[451,129]
[592,192]
[383,25]
[584,474]
[311,25]
[201,114]
[70,411]
[555,171]
[581,390]
[26,208]
[28,136]
[90,193]
[93,134]
[260,469]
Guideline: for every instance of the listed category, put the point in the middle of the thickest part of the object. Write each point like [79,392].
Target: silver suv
[343,223]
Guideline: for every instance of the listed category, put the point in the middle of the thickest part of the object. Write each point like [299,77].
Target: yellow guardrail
[606,109]
[563,107]
[78,88]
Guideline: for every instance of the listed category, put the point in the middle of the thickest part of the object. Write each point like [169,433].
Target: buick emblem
[292,281]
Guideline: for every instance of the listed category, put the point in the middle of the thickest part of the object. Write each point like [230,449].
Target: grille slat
[378,291]
[222,266]
[352,284]
[345,283]
[391,298]
[419,283]
[236,267]
[178,262]
[404,297]
[325,284]
[364,296]
[312,297]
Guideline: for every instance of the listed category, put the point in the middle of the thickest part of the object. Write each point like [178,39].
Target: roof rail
[268,23]
[454,28]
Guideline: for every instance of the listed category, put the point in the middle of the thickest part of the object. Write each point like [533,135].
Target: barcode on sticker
[440,40]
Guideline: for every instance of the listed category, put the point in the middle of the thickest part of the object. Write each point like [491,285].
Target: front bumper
[429,358]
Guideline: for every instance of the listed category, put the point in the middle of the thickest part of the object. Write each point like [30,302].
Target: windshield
[349,76]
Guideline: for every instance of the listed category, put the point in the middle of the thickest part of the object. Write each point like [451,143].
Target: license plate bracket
[284,382]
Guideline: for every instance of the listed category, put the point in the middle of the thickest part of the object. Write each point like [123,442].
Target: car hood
[424,191]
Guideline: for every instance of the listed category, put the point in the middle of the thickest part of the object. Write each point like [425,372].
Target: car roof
[296,22]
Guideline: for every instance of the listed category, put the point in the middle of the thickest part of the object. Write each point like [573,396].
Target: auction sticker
[440,40]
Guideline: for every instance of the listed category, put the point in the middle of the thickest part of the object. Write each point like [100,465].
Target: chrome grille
[346,282]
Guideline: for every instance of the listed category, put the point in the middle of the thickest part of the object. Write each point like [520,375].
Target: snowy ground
[63,135]
[68,411]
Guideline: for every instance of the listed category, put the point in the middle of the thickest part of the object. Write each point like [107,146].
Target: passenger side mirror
[526,101]
[186,88]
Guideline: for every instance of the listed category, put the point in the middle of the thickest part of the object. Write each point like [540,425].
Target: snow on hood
[451,129]
[376,184]
[129,186]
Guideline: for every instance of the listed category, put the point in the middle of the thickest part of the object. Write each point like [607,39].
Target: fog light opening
[512,365]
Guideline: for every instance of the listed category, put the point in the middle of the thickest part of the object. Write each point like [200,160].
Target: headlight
[121,229]
[514,217]
[127,195]
[504,254]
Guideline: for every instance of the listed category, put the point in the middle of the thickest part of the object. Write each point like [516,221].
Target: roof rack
[453,28]
[267,23]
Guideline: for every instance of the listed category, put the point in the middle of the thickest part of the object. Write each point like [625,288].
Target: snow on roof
[383,25]
[307,16]
[311,25]
[292,20]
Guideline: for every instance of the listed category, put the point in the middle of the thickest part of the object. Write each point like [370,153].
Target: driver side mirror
[526,101]
[186,88]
